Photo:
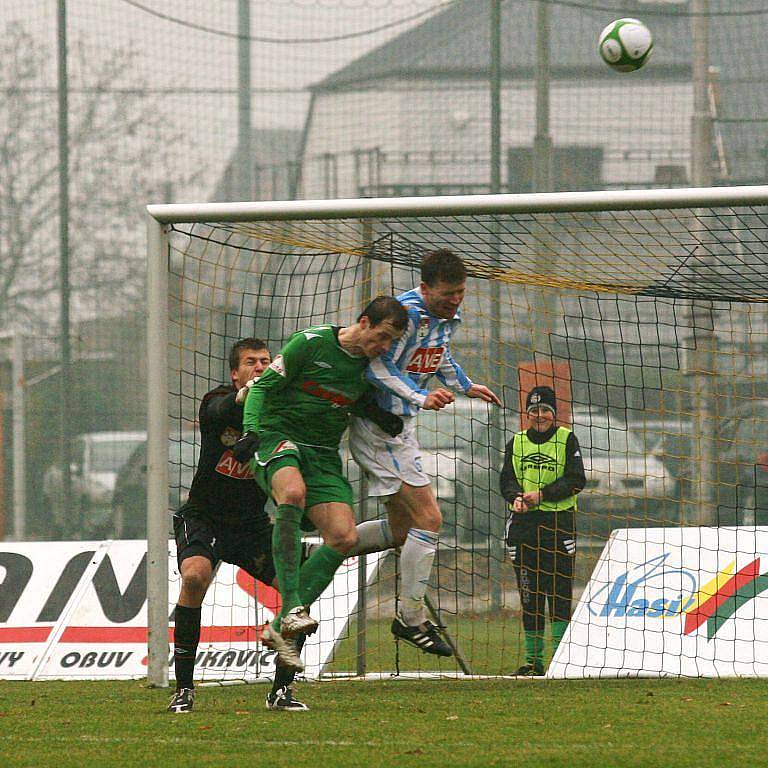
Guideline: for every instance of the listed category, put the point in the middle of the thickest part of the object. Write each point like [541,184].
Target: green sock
[317,573]
[558,630]
[534,647]
[286,552]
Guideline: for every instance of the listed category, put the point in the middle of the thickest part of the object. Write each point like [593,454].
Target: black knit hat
[541,397]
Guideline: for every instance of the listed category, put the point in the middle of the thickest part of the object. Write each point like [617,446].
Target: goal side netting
[645,311]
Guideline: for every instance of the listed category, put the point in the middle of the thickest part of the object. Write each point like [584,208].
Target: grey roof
[455,43]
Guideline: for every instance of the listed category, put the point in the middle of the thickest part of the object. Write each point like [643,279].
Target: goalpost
[646,310]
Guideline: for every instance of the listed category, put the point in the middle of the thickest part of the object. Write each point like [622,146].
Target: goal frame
[158,217]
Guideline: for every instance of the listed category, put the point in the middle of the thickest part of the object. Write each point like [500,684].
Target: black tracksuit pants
[542,547]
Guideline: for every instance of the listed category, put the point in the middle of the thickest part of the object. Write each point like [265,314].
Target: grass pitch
[441,723]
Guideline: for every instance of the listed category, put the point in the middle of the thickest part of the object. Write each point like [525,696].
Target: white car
[621,473]
[96,458]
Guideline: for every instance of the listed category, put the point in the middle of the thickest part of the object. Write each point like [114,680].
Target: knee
[195,582]
[294,494]
[429,519]
[343,541]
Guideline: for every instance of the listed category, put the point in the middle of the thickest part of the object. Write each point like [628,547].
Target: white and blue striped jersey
[402,374]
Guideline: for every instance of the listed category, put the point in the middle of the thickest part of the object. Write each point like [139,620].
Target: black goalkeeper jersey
[222,486]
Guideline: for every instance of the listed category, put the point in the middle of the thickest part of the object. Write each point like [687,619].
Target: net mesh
[651,325]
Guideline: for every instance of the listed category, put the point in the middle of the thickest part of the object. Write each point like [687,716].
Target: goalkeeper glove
[245,448]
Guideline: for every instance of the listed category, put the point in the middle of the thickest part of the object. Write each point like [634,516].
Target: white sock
[373,536]
[416,558]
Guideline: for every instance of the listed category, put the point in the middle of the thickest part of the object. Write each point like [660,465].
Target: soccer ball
[625,44]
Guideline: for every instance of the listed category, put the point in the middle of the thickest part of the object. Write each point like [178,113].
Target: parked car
[96,459]
[130,497]
[458,456]
[627,484]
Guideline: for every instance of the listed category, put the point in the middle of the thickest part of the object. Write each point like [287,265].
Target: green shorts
[320,467]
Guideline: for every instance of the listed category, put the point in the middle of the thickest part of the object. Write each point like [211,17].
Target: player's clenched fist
[437,399]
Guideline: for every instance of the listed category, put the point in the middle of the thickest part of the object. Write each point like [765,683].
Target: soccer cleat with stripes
[282,701]
[425,637]
[287,654]
[182,701]
[297,622]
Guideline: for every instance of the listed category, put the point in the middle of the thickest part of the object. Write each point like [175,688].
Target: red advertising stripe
[24,634]
[139,634]
[698,616]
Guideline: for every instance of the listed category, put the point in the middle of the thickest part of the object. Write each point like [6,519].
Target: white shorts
[387,461]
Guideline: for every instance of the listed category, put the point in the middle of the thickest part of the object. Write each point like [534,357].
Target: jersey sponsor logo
[285,445]
[310,336]
[278,365]
[321,364]
[539,461]
[228,465]
[229,437]
[425,360]
[336,398]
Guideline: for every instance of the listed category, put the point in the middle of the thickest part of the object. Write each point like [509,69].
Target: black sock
[284,675]
[186,636]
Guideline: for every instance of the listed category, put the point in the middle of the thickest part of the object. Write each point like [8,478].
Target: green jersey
[307,392]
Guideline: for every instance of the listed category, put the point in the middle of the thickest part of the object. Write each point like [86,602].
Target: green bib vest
[539,464]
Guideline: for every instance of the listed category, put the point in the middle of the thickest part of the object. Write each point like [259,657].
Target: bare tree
[121,153]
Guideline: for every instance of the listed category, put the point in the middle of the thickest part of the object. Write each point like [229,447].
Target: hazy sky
[175,53]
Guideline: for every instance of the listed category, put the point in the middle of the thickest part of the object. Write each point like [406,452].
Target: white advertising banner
[672,602]
[79,610]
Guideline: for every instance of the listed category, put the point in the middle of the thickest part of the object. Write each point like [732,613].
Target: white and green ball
[625,44]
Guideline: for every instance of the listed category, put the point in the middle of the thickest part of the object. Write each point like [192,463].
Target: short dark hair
[240,346]
[386,308]
[442,265]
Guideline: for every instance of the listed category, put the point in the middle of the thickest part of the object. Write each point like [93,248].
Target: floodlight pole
[542,141]
[495,96]
[495,369]
[18,412]
[702,358]
[65,410]
[244,170]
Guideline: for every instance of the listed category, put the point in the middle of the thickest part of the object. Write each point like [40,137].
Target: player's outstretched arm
[483,393]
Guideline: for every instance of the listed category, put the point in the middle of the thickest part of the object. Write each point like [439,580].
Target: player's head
[382,322]
[248,359]
[541,408]
[443,282]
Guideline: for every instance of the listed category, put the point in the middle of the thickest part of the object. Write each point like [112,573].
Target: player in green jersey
[295,417]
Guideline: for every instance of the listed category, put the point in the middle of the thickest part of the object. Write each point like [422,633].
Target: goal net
[646,311]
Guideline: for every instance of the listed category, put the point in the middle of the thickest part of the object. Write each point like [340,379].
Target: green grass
[396,723]
[494,644]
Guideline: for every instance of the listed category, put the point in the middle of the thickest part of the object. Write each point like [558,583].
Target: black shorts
[242,541]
